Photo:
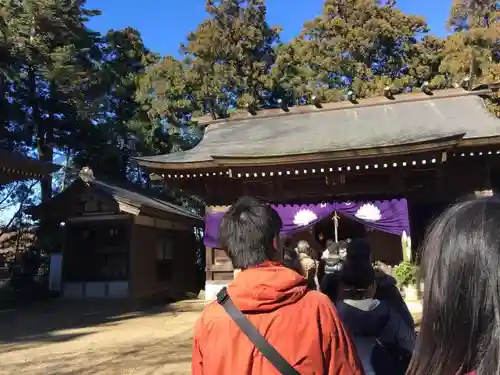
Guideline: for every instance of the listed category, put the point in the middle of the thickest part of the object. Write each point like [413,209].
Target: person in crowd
[291,259]
[330,267]
[372,322]
[329,242]
[330,281]
[321,238]
[331,256]
[308,236]
[301,325]
[308,265]
[460,328]
[359,251]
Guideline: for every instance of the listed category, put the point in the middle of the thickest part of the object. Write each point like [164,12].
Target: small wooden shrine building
[120,242]
[416,151]
[18,167]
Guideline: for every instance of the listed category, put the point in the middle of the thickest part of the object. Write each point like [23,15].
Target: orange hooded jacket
[302,325]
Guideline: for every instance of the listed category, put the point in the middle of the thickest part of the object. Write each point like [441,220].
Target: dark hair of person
[356,278]
[359,250]
[460,328]
[247,232]
[291,259]
[287,242]
[332,247]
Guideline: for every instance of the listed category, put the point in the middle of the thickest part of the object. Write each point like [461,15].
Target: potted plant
[406,277]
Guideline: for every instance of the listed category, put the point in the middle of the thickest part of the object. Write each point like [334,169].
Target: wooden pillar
[209,261]
[133,271]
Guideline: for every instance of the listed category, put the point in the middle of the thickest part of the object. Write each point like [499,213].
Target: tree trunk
[45,152]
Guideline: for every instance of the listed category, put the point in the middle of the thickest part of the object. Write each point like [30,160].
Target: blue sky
[164,24]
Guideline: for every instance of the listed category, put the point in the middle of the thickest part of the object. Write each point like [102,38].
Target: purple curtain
[388,216]
[212,225]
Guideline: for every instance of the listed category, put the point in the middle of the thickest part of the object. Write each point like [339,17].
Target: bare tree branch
[13,188]
[19,211]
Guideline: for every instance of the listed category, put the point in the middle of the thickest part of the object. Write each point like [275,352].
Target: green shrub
[406,274]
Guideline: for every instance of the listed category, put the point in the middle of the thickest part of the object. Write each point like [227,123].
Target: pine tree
[108,147]
[167,91]
[362,45]
[232,54]
[10,114]
[53,51]
[473,50]
[425,64]
[469,14]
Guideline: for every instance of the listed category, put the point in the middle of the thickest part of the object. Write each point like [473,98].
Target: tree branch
[19,211]
[15,185]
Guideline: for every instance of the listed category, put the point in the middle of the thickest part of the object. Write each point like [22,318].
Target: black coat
[386,291]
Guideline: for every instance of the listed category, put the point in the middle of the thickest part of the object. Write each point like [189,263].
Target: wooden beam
[148,221]
[124,207]
[97,217]
[224,267]
[209,260]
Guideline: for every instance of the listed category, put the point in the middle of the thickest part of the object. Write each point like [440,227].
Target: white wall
[211,290]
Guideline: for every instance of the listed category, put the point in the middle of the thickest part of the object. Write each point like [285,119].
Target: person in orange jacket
[302,325]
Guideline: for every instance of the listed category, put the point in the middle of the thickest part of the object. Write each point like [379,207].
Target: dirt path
[97,339]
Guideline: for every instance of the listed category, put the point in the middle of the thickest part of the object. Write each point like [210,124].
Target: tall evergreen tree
[473,50]
[53,52]
[118,118]
[232,53]
[469,14]
[474,47]
[167,91]
[10,113]
[359,44]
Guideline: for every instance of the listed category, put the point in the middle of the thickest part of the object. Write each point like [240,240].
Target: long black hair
[460,329]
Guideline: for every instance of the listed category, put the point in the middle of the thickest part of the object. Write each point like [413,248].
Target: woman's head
[460,329]
[357,281]
[359,250]
[303,247]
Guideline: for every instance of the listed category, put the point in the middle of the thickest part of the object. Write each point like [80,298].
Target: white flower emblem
[368,212]
[304,217]
[348,203]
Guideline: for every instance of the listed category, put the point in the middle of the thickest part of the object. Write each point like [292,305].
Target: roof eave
[480,141]
[175,165]
[225,161]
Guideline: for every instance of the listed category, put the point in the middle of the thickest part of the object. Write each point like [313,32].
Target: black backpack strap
[253,334]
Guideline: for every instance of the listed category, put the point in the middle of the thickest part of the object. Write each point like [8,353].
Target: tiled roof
[380,122]
[136,198]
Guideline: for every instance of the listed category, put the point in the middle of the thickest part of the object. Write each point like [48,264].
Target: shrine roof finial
[86,175]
